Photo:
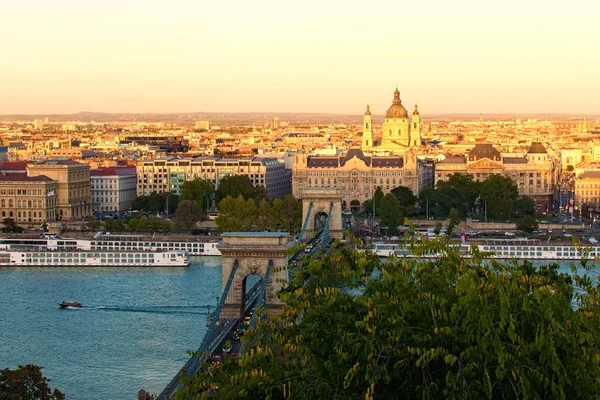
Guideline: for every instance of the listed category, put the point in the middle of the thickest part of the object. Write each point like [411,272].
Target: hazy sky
[468,56]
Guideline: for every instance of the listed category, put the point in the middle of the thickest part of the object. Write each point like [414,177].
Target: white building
[113,189]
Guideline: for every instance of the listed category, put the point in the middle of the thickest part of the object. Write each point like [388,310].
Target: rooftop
[22,177]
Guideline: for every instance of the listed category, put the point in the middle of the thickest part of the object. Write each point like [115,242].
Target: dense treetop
[446,328]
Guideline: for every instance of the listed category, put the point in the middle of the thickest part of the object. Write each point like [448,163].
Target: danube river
[132,333]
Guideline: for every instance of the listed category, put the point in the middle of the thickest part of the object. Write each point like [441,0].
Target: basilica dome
[396,110]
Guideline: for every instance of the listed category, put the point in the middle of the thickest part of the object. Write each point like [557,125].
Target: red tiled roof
[13,166]
[111,171]
[22,177]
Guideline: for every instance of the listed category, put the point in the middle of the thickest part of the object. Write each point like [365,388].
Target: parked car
[509,234]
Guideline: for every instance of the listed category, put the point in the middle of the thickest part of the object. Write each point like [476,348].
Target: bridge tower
[317,203]
[252,253]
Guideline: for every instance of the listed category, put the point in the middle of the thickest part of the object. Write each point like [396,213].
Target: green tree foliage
[239,185]
[10,226]
[527,224]
[189,212]
[408,201]
[26,383]
[444,198]
[240,215]
[199,190]
[378,198]
[114,225]
[93,224]
[445,328]
[466,188]
[236,214]
[391,212]
[500,192]
[454,217]
[156,203]
[524,206]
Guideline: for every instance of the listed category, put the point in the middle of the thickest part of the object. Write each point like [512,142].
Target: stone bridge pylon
[316,205]
[253,252]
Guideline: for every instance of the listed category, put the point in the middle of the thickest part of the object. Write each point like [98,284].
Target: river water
[132,333]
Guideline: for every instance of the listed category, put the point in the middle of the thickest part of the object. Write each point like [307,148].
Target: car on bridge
[216,361]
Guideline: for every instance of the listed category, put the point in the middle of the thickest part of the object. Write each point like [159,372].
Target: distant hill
[249,118]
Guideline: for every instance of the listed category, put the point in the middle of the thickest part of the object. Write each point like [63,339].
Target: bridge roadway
[213,345]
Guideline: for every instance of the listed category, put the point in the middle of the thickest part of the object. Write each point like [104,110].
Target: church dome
[537,148]
[396,110]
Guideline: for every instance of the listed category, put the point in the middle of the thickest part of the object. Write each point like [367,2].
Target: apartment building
[113,188]
[587,189]
[168,174]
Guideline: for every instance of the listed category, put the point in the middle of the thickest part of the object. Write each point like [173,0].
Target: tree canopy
[527,224]
[239,185]
[243,215]
[500,192]
[451,328]
[26,383]
[199,190]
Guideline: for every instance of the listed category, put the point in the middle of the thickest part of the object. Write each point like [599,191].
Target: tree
[527,224]
[199,190]
[262,220]
[378,198]
[445,198]
[500,192]
[454,221]
[26,383]
[291,214]
[189,212]
[438,228]
[524,206]
[448,328]
[239,185]
[113,225]
[236,214]
[156,203]
[408,201]
[93,224]
[391,212]
[466,186]
[570,168]
[10,226]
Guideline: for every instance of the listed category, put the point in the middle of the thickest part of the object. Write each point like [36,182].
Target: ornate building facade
[74,189]
[359,175]
[28,199]
[536,173]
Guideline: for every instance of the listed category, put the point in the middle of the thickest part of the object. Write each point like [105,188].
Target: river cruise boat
[504,249]
[45,252]
[116,242]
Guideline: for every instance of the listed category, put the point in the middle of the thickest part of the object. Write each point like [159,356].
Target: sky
[327,56]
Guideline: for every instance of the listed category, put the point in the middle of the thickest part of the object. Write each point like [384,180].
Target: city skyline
[147,57]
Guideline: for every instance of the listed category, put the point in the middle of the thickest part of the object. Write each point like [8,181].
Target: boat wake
[198,310]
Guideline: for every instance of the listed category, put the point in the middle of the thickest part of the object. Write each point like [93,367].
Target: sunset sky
[511,56]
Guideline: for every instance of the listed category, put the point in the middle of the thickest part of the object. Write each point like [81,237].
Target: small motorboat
[66,304]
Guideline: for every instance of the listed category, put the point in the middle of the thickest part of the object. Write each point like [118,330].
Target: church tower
[415,128]
[367,137]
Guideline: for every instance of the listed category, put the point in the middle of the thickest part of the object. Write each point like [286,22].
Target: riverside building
[536,172]
[359,175]
[28,199]
[113,188]
[168,174]
[74,190]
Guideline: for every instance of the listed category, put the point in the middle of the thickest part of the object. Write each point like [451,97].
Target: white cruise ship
[505,249]
[78,252]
